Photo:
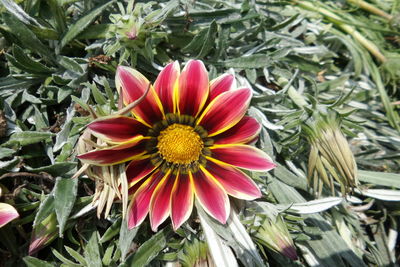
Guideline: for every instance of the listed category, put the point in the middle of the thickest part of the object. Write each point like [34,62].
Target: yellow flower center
[180,144]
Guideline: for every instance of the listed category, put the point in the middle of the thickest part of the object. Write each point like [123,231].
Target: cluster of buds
[330,156]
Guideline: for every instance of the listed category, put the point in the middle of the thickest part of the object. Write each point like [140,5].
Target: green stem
[370,46]
[370,8]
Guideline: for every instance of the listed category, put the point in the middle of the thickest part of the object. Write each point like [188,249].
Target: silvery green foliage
[58,61]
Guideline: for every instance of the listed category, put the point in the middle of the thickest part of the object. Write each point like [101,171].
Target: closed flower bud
[330,156]
[275,236]
[43,233]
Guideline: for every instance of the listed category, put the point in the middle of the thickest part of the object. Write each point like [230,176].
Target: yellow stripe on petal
[225,111]
[193,88]
[132,85]
[211,195]
[160,204]
[235,182]
[165,85]
[182,197]
[117,129]
[134,149]
[242,156]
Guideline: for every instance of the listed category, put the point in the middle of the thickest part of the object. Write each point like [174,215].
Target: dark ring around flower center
[178,144]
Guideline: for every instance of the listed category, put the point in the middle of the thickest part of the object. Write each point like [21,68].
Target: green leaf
[29,137]
[27,37]
[289,178]
[65,192]
[209,41]
[107,258]
[125,238]
[32,65]
[18,12]
[380,178]
[112,231]
[92,252]
[149,250]
[244,62]
[56,169]
[30,98]
[220,252]
[196,44]
[74,254]
[98,96]
[35,262]
[45,209]
[64,259]
[331,241]
[315,206]
[58,14]
[82,24]
[96,31]
[6,152]
[382,194]
[70,64]
[63,135]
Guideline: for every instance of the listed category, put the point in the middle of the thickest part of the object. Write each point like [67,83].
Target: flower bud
[330,156]
[275,236]
[43,233]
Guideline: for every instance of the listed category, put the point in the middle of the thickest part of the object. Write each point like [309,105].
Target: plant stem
[370,8]
[370,46]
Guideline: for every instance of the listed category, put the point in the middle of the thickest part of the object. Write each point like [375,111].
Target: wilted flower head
[330,157]
[187,138]
[275,235]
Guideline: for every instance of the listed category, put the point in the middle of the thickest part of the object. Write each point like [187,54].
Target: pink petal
[235,182]
[7,214]
[133,85]
[243,156]
[211,195]
[138,169]
[117,129]
[161,201]
[140,203]
[246,130]
[225,111]
[181,200]
[193,88]
[220,85]
[116,154]
[166,84]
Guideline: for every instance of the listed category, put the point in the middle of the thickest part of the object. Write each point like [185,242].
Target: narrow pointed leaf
[65,192]
[82,23]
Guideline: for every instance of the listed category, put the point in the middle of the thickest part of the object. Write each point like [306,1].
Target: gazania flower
[187,139]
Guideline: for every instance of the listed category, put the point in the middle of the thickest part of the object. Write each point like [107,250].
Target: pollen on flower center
[180,144]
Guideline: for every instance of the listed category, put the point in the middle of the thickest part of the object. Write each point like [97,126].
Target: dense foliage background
[301,58]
